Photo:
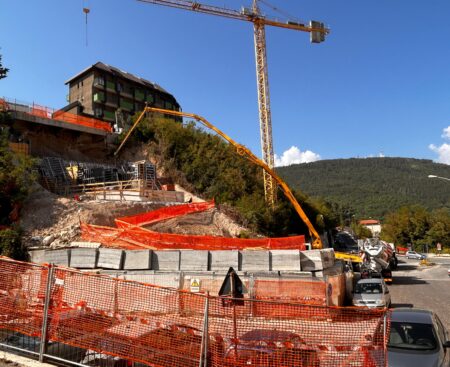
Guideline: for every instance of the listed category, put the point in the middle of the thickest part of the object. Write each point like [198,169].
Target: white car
[372,292]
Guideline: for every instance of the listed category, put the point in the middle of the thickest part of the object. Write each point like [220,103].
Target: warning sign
[195,285]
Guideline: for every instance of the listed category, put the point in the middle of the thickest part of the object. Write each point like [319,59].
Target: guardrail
[53,114]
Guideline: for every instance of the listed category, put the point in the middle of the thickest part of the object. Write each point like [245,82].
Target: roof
[412,315]
[369,222]
[370,280]
[124,74]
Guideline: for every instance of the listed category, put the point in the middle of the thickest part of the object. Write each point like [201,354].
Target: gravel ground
[423,287]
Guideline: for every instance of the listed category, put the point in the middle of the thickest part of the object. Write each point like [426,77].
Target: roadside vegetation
[420,227]
[16,180]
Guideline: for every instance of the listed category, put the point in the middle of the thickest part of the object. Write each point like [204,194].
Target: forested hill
[372,186]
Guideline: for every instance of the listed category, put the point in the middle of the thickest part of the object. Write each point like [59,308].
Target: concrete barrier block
[138,260]
[85,244]
[37,256]
[255,260]
[222,260]
[192,260]
[166,260]
[336,269]
[285,260]
[84,258]
[314,260]
[110,258]
[58,257]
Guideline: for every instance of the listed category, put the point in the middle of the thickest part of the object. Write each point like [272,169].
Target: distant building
[372,224]
[102,90]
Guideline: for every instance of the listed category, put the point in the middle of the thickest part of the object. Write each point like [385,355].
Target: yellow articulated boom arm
[243,151]
[348,257]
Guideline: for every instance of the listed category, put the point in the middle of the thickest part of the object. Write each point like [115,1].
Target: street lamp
[442,178]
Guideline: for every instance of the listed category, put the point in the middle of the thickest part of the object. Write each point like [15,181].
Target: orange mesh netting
[22,291]
[162,214]
[130,234]
[149,324]
[46,112]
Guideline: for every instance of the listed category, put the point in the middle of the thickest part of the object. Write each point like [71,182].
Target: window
[98,111]
[368,288]
[99,97]
[99,81]
[413,336]
[119,87]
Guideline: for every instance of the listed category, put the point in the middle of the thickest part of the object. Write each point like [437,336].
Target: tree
[3,71]
[417,226]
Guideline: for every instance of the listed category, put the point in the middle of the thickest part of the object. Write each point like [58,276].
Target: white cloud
[293,156]
[442,151]
[381,155]
[446,134]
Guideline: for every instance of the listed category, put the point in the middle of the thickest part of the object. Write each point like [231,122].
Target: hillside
[372,186]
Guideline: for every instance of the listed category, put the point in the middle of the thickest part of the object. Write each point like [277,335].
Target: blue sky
[379,85]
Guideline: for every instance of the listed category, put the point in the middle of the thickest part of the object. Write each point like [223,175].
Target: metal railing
[34,109]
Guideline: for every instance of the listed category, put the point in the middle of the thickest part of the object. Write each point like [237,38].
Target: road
[423,287]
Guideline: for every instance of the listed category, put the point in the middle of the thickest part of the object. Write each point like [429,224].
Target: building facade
[372,224]
[108,93]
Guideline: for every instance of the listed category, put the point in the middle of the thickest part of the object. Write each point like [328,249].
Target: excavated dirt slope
[51,220]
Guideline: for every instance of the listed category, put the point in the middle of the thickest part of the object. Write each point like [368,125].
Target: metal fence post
[204,346]
[48,291]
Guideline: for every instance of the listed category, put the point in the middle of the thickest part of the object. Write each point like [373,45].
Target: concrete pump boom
[243,151]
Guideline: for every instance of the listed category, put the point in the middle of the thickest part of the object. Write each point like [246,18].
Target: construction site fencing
[131,235]
[144,323]
[58,115]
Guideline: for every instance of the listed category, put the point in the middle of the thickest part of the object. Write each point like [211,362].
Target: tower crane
[317,32]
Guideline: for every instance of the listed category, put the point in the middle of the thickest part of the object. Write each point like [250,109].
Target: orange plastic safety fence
[163,214]
[49,113]
[149,324]
[138,238]
[305,291]
[82,120]
[22,292]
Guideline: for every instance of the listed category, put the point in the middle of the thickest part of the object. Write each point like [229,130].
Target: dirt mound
[211,222]
[50,220]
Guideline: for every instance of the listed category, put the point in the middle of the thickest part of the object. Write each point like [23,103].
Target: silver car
[415,255]
[372,292]
[417,339]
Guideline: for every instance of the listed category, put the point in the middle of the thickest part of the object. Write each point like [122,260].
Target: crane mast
[265,117]
[317,31]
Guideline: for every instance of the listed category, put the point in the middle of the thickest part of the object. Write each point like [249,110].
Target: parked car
[417,339]
[261,347]
[415,255]
[372,292]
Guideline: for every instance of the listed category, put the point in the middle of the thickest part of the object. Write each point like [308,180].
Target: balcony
[99,97]
[139,95]
[111,86]
[109,115]
[126,105]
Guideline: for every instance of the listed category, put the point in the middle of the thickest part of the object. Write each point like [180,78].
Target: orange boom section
[166,327]
[131,235]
